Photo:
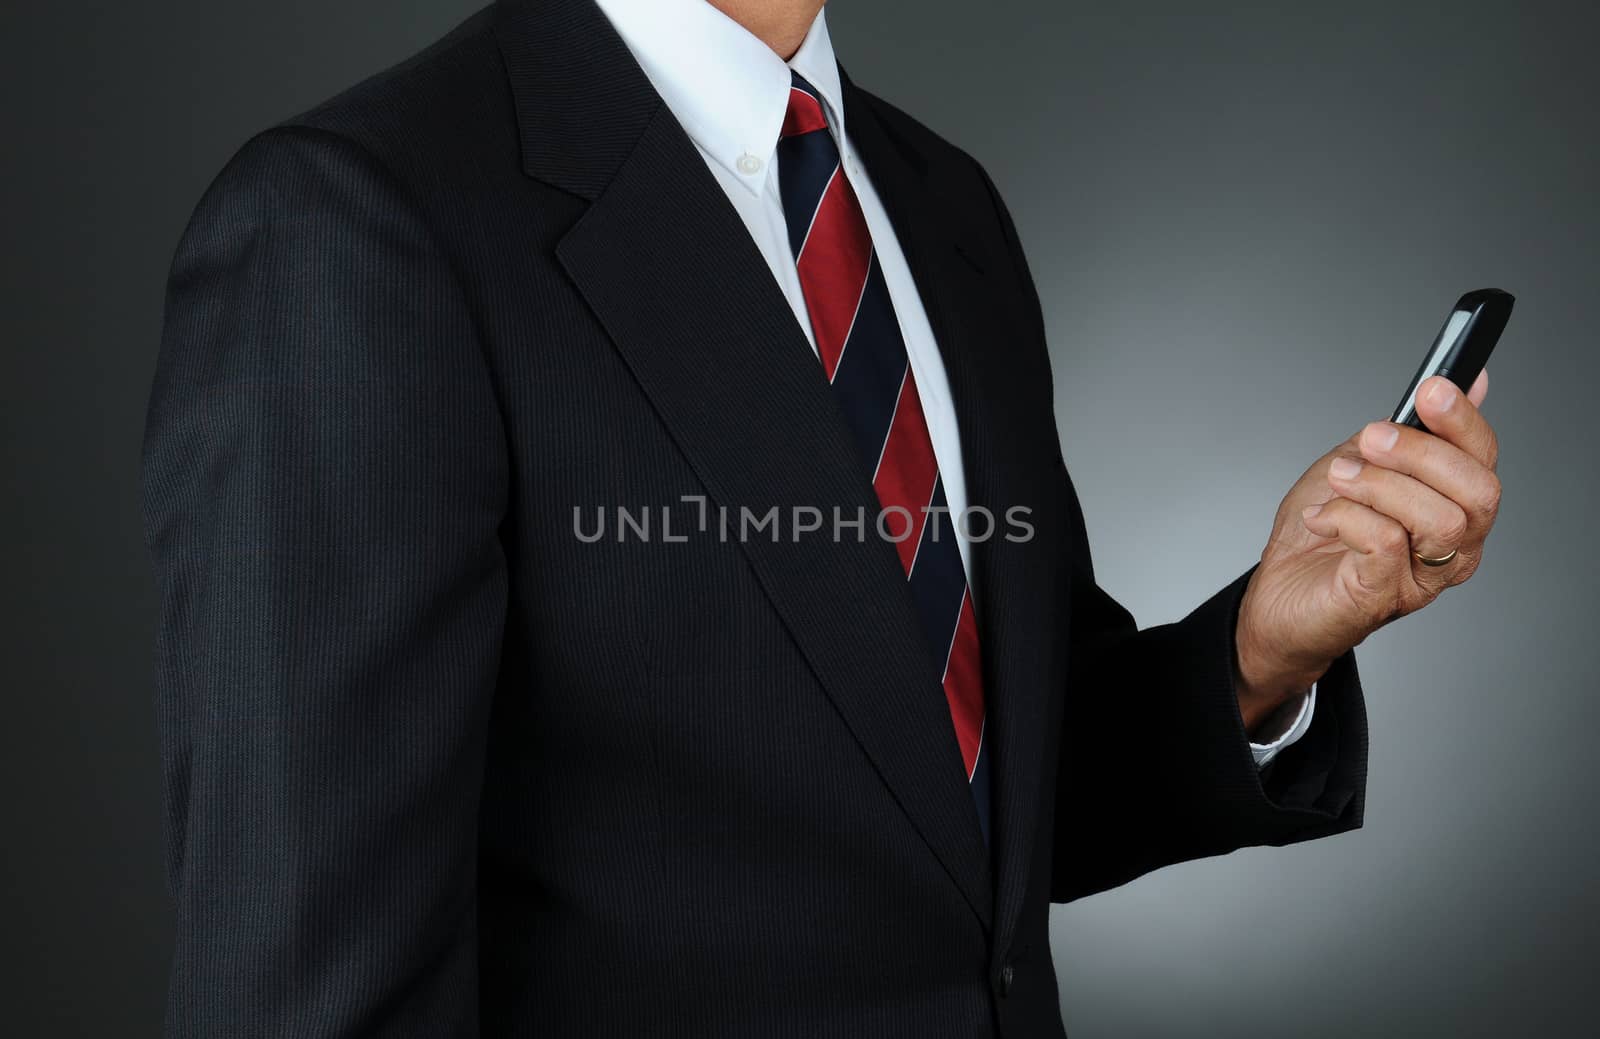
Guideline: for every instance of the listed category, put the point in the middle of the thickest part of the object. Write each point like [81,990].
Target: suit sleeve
[1194,789]
[324,473]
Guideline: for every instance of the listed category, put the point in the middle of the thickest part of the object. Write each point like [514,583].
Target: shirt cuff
[1281,730]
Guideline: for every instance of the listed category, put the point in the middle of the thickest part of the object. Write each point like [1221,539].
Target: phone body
[1462,347]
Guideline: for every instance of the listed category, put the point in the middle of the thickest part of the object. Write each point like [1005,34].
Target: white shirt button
[748,163]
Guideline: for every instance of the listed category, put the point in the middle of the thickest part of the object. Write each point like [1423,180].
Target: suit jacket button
[1007,975]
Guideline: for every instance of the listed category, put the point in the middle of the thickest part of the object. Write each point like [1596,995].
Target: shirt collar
[727,88]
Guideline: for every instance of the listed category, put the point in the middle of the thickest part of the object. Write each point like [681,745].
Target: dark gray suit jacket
[437,767]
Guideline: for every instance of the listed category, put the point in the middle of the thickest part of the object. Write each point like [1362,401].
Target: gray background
[1245,224]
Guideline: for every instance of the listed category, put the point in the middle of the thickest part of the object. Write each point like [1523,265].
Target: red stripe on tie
[803,114]
[963,685]
[833,267]
[907,471]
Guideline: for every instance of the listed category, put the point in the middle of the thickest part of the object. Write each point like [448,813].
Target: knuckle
[1453,528]
[1489,505]
[1369,588]
[1392,538]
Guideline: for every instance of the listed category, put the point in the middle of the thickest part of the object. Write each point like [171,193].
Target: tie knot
[805,108]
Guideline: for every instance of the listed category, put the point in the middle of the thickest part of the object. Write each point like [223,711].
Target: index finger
[1451,415]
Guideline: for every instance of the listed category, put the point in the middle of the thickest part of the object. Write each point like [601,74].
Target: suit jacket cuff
[1310,789]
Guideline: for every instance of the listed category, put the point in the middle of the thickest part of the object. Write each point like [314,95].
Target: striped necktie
[864,356]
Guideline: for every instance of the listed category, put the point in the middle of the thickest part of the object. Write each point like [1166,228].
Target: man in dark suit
[566,476]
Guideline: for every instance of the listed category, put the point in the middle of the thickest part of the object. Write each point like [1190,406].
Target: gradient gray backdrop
[1245,224]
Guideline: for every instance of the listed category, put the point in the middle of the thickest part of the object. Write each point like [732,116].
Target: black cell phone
[1462,349]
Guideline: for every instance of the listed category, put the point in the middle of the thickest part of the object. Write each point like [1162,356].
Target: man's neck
[780,24]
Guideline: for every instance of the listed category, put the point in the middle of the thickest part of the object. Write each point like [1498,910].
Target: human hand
[1342,560]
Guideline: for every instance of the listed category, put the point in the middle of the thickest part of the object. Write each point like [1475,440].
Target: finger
[1441,465]
[1381,546]
[1480,388]
[1436,524]
[1450,414]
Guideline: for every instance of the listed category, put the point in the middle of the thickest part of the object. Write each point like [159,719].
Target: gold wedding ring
[1439,561]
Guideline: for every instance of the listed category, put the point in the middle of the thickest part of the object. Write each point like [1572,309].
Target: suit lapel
[1014,582]
[670,271]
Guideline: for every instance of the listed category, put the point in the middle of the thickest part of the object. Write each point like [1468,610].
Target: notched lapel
[671,273]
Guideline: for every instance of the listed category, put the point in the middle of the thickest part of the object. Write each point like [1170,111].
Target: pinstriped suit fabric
[437,767]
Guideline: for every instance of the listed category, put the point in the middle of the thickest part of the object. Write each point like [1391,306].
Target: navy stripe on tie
[799,82]
[868,380]
[938,581]
[806,162]
[980,785]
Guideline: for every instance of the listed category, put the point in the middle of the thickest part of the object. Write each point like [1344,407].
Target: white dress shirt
[730,91]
